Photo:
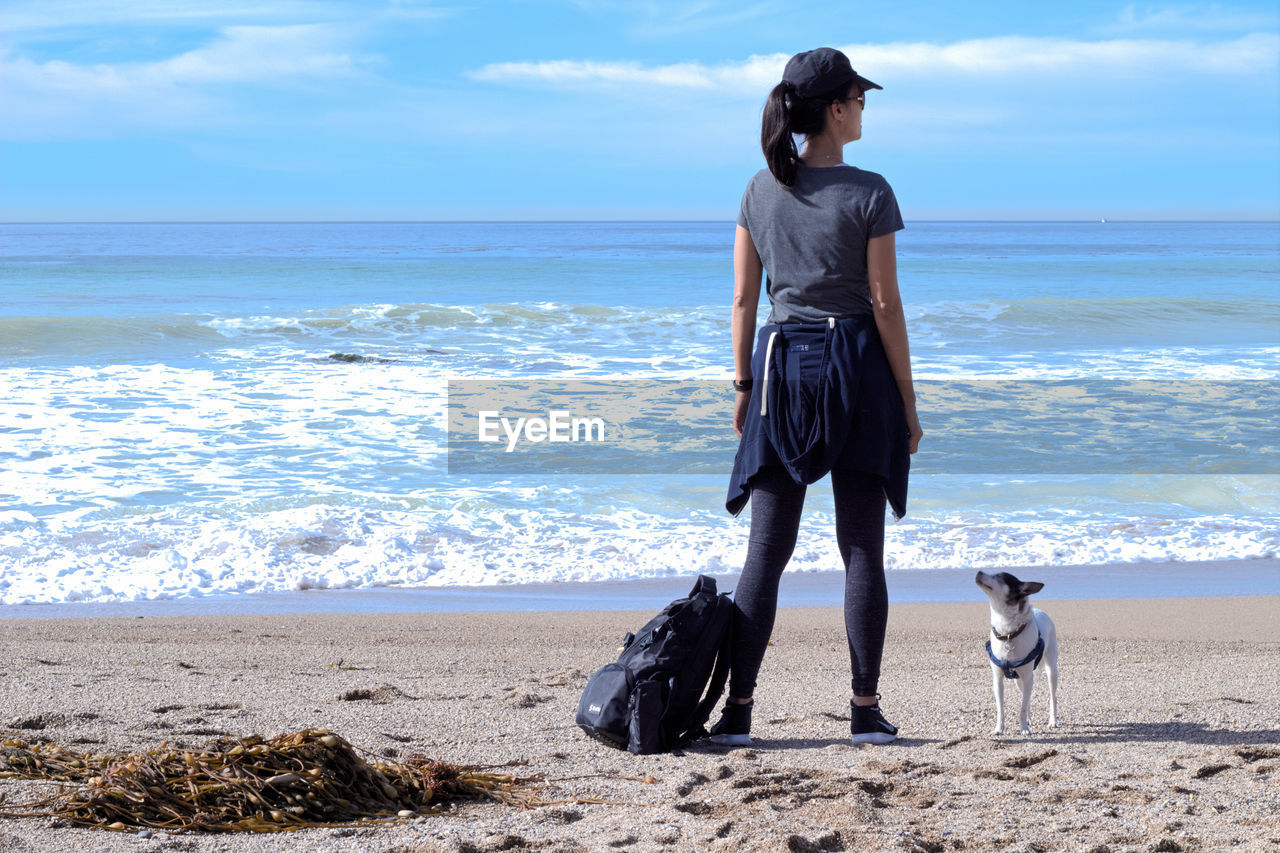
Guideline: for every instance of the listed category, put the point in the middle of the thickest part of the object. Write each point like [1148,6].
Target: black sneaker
[734,727]
[868,725]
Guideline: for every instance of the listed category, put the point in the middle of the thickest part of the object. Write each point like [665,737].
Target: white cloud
[1007,56]
[42,99]
[667,18]
[1192,19]
[28,16]
[1251,54]
[30,22]
[258,54]
[574,73]
[239,54]
[412,10]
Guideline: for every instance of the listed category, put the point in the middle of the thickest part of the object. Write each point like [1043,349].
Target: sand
[1170,735]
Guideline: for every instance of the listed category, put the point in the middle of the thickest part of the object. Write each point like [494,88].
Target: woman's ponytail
[776,136]
[787,115]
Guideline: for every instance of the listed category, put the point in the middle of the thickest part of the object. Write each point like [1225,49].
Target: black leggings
[776,504]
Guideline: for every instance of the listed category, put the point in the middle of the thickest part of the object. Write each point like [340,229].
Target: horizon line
[1095,221]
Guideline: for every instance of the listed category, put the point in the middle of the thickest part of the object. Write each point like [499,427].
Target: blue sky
[294,109]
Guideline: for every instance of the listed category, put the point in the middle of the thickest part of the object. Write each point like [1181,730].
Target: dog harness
[1009,667]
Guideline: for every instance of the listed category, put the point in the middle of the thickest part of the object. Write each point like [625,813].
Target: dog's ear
[1031,587]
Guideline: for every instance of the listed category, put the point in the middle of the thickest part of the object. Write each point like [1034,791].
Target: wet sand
[1259,576]
[1170,735]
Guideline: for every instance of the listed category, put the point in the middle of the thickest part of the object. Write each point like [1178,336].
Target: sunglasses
[861,98]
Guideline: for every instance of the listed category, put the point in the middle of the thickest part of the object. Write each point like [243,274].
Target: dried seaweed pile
[306,778]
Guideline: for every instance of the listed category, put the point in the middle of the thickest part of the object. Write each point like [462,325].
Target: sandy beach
[1170,736]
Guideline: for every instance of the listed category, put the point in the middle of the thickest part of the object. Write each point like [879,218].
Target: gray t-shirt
[812,238]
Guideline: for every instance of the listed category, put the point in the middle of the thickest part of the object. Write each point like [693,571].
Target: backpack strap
[704,584]
[715,689]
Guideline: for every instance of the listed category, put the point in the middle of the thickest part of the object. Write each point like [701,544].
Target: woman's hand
[914,431]
[740,401]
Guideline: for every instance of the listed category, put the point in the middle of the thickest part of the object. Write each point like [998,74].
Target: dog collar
[1004,638]
[1010,667]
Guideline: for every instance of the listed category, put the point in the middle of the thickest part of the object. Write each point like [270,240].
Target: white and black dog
[1022,638]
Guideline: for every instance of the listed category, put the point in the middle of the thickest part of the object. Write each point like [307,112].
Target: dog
[1023,640]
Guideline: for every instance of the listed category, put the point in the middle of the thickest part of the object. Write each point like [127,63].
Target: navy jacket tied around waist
[823,398]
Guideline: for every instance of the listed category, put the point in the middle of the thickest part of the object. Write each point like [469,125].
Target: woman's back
[812,238]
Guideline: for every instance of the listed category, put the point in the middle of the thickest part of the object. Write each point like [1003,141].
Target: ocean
[175,424]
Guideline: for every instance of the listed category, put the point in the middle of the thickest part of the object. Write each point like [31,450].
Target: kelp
[303,779]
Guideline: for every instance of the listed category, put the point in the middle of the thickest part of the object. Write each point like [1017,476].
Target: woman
[824,233]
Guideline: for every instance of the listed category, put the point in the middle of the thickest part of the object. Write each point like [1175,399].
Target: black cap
[818,72]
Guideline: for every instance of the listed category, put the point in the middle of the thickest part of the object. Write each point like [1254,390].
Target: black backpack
[651,699]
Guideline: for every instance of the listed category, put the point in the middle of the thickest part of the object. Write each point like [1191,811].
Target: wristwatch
[744,385]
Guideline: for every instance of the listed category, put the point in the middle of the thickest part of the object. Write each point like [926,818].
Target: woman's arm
[882,272]
[747,270]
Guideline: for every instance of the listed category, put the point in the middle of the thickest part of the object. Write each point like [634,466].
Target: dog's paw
[1053,722]
[1026,730]
[998,730]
